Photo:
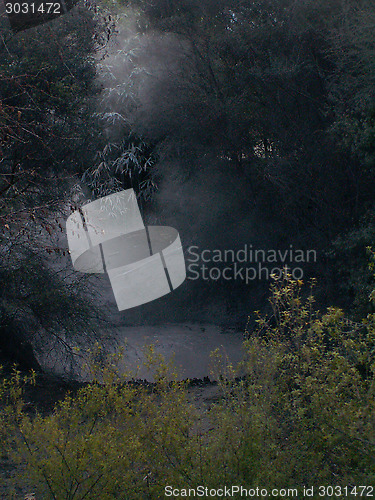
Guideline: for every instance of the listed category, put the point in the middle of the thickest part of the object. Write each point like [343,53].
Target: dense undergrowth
[299,410]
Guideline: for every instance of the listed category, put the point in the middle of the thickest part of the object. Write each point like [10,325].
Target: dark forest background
[235,121]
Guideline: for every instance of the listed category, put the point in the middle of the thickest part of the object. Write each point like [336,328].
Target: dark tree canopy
[237,121]
[47,131]
[263,107]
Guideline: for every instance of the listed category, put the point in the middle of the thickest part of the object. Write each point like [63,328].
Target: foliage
[354,276]
[298,410]
[261,109]
[321,386]
[260,85]
[47,84]
[46,80]
[123,164]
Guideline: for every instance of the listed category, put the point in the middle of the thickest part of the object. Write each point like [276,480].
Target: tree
[237,101]
[47,82]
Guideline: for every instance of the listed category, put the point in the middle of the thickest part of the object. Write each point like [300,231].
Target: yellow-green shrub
[299,410]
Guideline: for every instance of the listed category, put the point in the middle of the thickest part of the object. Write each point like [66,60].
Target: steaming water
[189,345]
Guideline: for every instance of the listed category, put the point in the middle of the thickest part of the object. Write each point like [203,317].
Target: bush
[299,410]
